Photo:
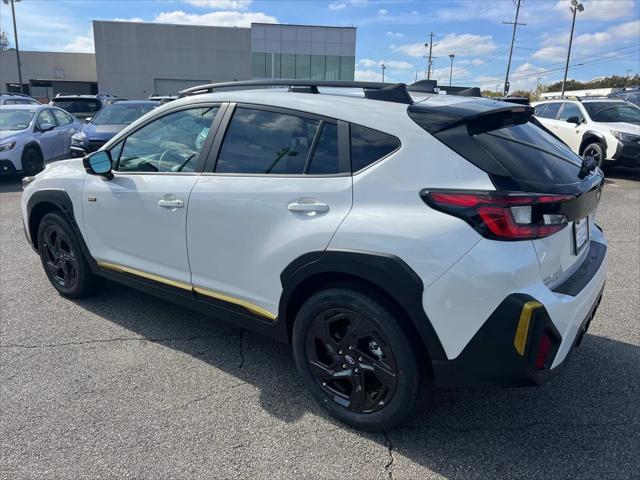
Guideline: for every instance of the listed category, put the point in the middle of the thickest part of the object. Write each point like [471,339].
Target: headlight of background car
[625,137]
[78,138]
[7,146]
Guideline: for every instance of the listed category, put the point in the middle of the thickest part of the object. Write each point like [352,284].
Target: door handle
[170,203]
[308,208]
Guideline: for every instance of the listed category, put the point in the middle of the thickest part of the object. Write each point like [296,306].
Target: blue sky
[607,37]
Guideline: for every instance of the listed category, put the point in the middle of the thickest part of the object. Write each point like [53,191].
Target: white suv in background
[393,240]
[606,129]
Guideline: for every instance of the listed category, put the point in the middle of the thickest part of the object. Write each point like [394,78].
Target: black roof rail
[423,86]
[431,86]
[388,92]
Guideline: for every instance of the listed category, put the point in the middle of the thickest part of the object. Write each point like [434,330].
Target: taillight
[503,216]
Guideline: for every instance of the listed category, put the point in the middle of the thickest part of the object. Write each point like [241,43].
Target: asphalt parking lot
[124,385]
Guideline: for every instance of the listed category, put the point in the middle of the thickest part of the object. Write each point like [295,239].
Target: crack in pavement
[389,466]
[242,335]
[116,339]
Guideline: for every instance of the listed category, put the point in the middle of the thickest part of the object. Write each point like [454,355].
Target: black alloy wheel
[59,257]
[32,162]
[350,361]
[595,151]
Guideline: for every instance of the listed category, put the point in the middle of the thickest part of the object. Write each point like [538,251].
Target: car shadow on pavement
[583,423]
[10,184]
[622,173]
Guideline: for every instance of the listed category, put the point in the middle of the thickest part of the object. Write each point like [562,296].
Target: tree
[4,41]
[614,81]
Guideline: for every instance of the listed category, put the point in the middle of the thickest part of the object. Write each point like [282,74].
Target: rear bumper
[492,357]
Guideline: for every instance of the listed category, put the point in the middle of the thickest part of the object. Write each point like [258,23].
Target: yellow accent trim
[522,332]
[236,301]
[150,276]
[185,286]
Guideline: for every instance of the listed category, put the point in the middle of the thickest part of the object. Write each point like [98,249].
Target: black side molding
[386,272]
[583,275]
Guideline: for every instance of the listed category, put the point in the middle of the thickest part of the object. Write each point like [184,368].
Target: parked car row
[604,129]
[32,134]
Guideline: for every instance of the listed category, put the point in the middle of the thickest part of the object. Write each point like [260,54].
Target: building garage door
[167,86]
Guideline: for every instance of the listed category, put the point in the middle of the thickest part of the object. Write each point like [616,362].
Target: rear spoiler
[435,117]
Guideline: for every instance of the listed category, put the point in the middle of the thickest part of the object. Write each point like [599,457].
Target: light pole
[575,8]
[451,56]
[15,34]
[383,67]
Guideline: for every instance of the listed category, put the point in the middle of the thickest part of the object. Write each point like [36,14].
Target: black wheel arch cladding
[388,273]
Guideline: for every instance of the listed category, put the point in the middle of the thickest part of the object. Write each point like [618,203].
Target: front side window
[262,142]
[62,118]
[570,110]
[46,117]
[369,146]
[171,143]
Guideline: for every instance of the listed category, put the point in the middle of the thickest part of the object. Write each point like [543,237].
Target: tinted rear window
[550,111]
[515,150]
[80,105]
[369,146]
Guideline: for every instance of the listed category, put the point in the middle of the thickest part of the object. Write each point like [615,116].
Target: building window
[347,67]
[287,65]
[303,67]
[318,66]
[333,67]
[258,65]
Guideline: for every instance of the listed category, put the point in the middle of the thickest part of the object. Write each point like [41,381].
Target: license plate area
[581,234]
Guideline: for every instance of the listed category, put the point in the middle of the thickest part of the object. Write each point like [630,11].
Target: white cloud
[369,75]
[395,34]
[599,10]
[554,47]
[383,11]
[442,74]
[461,45]
[221,4]
[337,6]
[390,64]
[223,19]
[81,43]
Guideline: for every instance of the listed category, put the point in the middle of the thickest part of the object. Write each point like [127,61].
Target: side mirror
[574,119]
[98,163]
[45,127]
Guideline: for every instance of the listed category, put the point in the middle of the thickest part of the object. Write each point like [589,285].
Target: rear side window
[80,105]
[325,157]
[369,146]
[261,142]
[551,111]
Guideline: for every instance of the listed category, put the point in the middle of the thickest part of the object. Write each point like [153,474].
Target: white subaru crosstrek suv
[606,129]
[393,240]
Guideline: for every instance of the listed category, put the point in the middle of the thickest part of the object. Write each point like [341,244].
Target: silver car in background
[32,135]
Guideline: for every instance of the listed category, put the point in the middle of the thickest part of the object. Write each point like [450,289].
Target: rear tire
[32,161]
[357,359]
[596,150]
[62,259]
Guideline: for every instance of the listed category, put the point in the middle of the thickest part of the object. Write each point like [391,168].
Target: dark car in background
[106,123]
[630,95]
[83,107]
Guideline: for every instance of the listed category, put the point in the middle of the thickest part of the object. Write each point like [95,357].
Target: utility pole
[383,67]
[15,36]
[575,8]
[430,44]
[513,40]
[451,56]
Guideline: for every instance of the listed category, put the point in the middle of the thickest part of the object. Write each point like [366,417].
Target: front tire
[357,359]
[32,161]
[62,259]
[595,150]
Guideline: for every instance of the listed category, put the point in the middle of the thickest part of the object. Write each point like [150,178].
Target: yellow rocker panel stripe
[185,286]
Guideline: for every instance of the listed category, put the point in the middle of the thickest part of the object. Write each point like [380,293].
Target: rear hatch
[544,192]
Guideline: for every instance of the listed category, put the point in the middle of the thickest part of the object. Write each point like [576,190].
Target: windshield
[120,114]
[79,105]
[14,119]
[612,112]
